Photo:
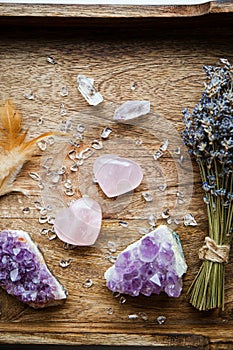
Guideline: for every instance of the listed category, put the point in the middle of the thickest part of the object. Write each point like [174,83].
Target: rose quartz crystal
[116,175]
[80,223]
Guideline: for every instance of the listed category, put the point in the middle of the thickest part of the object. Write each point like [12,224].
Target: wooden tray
[164,57]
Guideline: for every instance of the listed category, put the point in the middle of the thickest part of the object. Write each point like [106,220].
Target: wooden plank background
[165,60]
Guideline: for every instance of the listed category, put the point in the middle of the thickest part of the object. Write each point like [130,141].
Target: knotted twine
[214,252]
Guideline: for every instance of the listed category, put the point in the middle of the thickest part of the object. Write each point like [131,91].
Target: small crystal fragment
[164,146]
[116,175]
[180,200]
[147,196]
[112,247]
[142,230]
[169,220]
[24,273]
[51,235]
[123,223]
[131,109]
[43,211]
[26,210]
[37,205]
[51,220]
[109,311]
[61,170]
[44,231]
[157,154]
[80,128]
[88,283]
[94,180]
[35,176]
[40,185]
[122,300]
[51,60]
[88,91]
[74,167]
[177,151]
[68,183]
[56,178]
[153,264]
[72,154]
[51,140]
[43,219]
[189,220]
[133,86]
[177,221]
[42,144]
[106,132]
[96,144]
[64,91]
[63,110]
[29,95]
[165,214]
[86,153]
[138,142]
[152,220]
[79,224]
[64,263]
[133,317]
[161,319]
[39,122]
[181,159]
[69,192]
[143,316]
[162,188]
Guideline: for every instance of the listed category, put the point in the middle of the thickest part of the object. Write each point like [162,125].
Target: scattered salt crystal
[133,317]
[180,200]
[143,316]
[51,60]
[177,221]
[106,132]
[40,185]
[61,170]
[164,146]
[64,263]
[68,246]
[94,179]
[51,235]
[157,154]
[44,231]
[138,142]
[72,154]
[116,294]
[169,220]
[123,223]
[26,210]
[42,144]
[147,196]
[43,211]
[96,144]
[88,283]
[35,176]
[161,319]
[37,205]
[56,178]
[74,167]
[189,220]
[51,140]
[68,183]
[133,86]
[122,300]
[51,220]
[181,159]
[88,91]
[64,91]
[177,150]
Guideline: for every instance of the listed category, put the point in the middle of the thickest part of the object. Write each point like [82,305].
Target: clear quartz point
[88,91]
[131,109]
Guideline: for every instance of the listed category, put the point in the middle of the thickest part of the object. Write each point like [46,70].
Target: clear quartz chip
[112,247]
[123,223]
[152,220]
[165,214]
[88,91]
[42,144]
[51,140]
[88,283]
[62,110]
[157,154]
[51,60]
[106,132]
[109,311]
[164,146]
[161,319]
[162,188]
[34,176]
[80,128]
[96,144]
[29,95]
[69,192]
[133,316]
[39,122]
[133,86]
[147,196]
[74,167]
[26,210]
[131,109]
[64,263]
[189,220]
[68,183]
[86,153]
[43,219]
[64,91]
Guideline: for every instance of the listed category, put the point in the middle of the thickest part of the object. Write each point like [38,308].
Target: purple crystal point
[151,265]
[23,271]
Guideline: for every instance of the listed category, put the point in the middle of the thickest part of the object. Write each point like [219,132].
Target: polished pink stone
[80,223]
[116,175]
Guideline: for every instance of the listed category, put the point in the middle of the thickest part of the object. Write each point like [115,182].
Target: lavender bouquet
[208,134]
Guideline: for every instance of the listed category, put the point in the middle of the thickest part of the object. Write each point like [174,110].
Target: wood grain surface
[166,66]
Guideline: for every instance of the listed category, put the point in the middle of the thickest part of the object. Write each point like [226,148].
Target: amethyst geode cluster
[153,264]
[23,271]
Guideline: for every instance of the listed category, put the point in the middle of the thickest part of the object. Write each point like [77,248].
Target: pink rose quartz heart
[116,175]
[80,223]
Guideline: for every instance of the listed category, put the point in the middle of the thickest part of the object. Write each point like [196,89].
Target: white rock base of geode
[24,273]
[153,264]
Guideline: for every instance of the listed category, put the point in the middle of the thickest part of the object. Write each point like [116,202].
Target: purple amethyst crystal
[151,265]
[23,271]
